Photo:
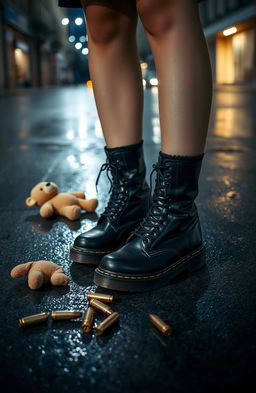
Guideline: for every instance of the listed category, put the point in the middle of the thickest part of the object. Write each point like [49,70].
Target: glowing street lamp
[71,38]
[144,65]
[85,51]
[78,21]
[65,21]
[153,81]
[230,30]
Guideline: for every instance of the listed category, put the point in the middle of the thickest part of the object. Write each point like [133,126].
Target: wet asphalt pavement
[54,134]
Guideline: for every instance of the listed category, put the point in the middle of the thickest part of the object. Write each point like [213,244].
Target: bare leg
[183,68]
[114,69]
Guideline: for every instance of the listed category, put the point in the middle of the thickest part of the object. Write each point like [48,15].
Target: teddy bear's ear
[30,202]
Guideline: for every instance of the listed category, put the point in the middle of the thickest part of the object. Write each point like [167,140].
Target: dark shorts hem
[70,3]
[77,3]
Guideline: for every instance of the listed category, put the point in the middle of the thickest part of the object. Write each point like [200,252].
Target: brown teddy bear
[69,204]
[39,273]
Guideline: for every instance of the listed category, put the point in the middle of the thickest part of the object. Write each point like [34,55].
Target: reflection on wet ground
[54,134]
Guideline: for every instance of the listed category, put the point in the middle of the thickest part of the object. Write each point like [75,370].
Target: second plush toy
[69,204]
[39,273]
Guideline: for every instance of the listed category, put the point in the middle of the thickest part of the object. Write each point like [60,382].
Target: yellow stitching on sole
[87,251]
[155,275]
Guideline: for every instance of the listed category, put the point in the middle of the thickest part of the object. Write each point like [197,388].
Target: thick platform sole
[139,283]
[87,257]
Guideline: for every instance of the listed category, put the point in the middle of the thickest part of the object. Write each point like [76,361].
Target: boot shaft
[177,180]
[172,206]
[129,163]
[129,190]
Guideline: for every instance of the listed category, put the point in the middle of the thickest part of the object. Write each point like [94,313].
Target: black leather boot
[168,241]
[127,205]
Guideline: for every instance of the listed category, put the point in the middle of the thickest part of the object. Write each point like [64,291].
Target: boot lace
[117,189]
[160,206]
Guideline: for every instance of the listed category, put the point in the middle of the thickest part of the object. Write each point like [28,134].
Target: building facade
[33,44]
[230,29]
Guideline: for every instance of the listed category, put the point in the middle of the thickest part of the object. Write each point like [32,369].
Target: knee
[105,25]
[157,16]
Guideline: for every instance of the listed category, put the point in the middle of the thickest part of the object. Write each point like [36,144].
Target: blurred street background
[50,131]
[42,44]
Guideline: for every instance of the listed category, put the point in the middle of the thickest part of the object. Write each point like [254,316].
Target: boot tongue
[164,175]
[163,184]
[111,154]
[163,157]
[165,162]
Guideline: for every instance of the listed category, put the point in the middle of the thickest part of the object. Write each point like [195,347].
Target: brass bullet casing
[162,326]
[101,306]
[33,319]
[109,321]
[64,315]
[88,320]
[101,296]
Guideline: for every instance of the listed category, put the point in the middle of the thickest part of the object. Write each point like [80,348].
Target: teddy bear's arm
[36,279]
[41,272]
[59,277]
[46,210]
[78,194]
[21,270]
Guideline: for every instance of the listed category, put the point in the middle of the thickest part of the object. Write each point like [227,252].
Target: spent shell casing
[63,315]
[88,320]
[162,326]
[101,306]
[101,296]
[33,319]
[109,321]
